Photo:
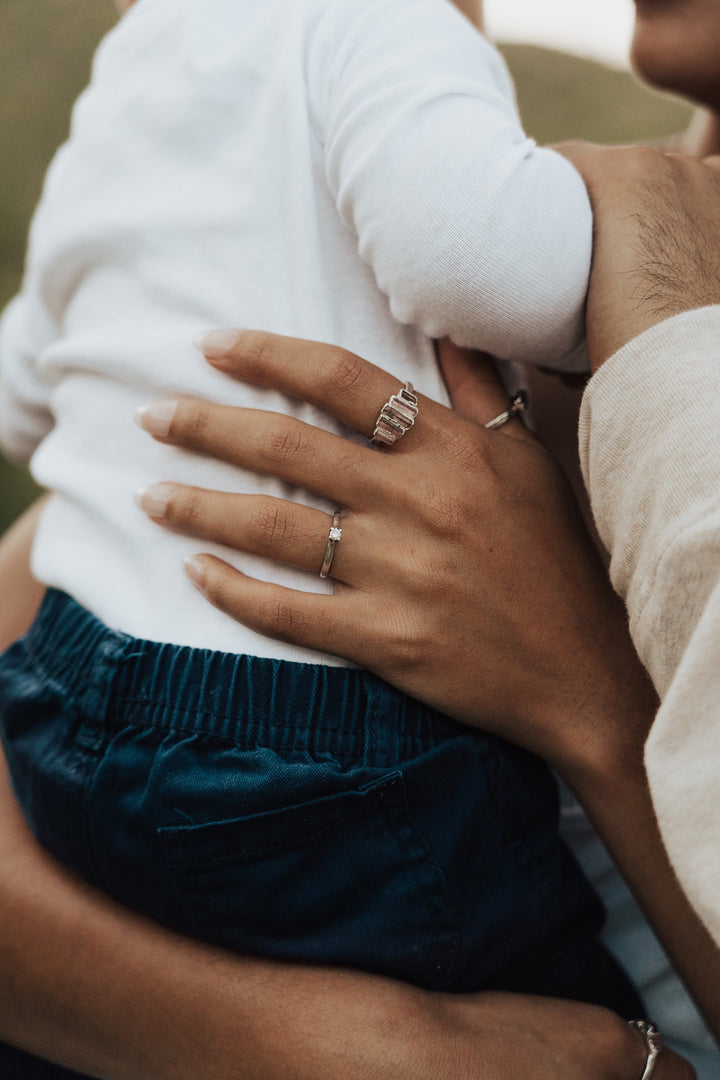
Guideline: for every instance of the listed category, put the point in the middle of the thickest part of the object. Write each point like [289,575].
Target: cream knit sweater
[650,451]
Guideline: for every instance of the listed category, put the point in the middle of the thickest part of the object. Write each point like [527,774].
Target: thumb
[475,388]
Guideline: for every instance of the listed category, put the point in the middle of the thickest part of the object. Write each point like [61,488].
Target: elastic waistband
[254,701]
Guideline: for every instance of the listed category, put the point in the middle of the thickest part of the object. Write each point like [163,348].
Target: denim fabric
[302,812]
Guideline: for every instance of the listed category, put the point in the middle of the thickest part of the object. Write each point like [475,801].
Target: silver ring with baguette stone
[653,1045]
[396,417]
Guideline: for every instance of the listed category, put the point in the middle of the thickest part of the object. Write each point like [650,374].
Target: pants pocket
[346,878]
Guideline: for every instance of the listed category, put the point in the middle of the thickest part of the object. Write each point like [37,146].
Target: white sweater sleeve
[650,452]
[470,229]
[25,417]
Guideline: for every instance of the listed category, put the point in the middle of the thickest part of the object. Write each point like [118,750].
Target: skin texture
[657,239]
[221,1014]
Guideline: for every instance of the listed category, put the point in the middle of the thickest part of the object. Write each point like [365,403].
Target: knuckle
[279,445]
[440,574]
[346,374]
[271,524]
[277,618]
[182,506]
[465,454]
[216,587]
[192,510]
[444,511]
[257,348]
[195,422]
[405,646]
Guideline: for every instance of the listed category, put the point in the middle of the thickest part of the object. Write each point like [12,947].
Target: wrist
[604,735]
[331,1022]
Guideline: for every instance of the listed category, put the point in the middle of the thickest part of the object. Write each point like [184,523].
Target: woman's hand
[464,575]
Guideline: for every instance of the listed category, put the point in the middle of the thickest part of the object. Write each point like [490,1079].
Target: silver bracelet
[653,1044]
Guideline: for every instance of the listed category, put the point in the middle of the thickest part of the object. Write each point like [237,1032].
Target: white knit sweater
[350,171]
[650,449]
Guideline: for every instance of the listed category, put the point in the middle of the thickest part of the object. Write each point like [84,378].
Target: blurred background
[558,50]
[599,29]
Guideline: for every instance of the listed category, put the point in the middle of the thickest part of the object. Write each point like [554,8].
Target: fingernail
[216,344]
[154,499]
[156,417]
[195,570]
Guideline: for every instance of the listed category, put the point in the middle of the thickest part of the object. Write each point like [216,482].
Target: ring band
[653,1044]
[396,417]
[518,404]
[333,537]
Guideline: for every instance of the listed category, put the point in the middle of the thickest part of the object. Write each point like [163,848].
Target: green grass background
[46,48]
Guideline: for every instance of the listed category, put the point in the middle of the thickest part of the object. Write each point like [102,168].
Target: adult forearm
[20,593]
[617,799]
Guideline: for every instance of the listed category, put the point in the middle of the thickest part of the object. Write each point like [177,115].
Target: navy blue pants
[296,811]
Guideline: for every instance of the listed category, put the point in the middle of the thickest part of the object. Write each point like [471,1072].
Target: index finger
[335,380]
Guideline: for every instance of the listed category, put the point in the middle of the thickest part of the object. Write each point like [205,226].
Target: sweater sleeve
[650,453]
[472,231]
[25,416]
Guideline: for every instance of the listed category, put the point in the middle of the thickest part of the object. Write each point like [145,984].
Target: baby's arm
[472,231]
